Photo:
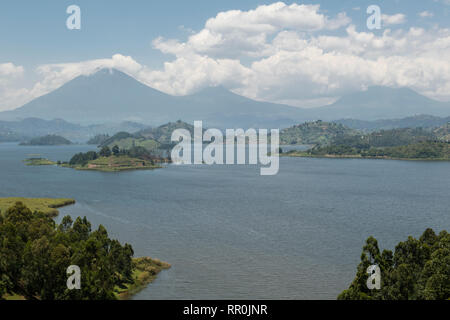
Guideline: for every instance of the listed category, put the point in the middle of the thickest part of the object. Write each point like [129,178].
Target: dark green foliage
[115,150]
[417,270]
[35,254]
[105,152]
[83,158]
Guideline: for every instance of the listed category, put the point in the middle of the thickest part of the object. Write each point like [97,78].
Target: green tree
[418,270]
[105,152]
[35,254]
[116,150]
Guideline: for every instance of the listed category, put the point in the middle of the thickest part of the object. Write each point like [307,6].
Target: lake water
[230,233]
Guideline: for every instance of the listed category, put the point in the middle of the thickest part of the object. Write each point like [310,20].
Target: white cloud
[10,70]
[388,20]
[10,96]
[268,54]
[426,14]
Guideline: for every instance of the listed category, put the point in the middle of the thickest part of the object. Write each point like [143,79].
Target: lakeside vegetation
[428,150]
[418,269]
[35,253]
[404,143]
[145,271]
[48,140]
[47,206]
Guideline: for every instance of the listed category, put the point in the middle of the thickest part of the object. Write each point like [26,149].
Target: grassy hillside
[317,132]
[44,205]
[156,140]
[443,132]
[163,134]
[385,138]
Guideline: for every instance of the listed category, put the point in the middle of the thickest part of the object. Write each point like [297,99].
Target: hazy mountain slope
[35,127]
[112,96]
[382,103]
[39,127]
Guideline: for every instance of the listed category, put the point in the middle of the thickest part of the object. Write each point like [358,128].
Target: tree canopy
[35,253]
[419,269]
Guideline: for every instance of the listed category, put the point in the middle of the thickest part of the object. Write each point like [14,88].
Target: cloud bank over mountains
[279,53]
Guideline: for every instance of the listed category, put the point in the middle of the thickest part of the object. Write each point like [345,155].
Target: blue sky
[33,33]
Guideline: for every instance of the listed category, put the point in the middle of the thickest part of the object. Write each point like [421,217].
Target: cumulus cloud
[10,70]
[236,33]
[426,14]
[11,96]
[388,20]
[296,63]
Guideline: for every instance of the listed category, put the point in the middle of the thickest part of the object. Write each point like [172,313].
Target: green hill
[125,140]
[48,140]
[163,134]
[318,132]
[385,138]
[443,132]
[155,140]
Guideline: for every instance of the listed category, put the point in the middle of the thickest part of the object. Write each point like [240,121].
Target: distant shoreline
[333,156]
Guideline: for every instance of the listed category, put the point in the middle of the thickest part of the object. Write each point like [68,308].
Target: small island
[48,140]
[107,160]
[136,158]
[37,160]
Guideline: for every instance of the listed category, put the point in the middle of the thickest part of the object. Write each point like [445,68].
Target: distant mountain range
[34,127]
[111,96]
[382,103]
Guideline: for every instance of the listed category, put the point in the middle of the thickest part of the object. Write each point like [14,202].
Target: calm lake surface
[230,233]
